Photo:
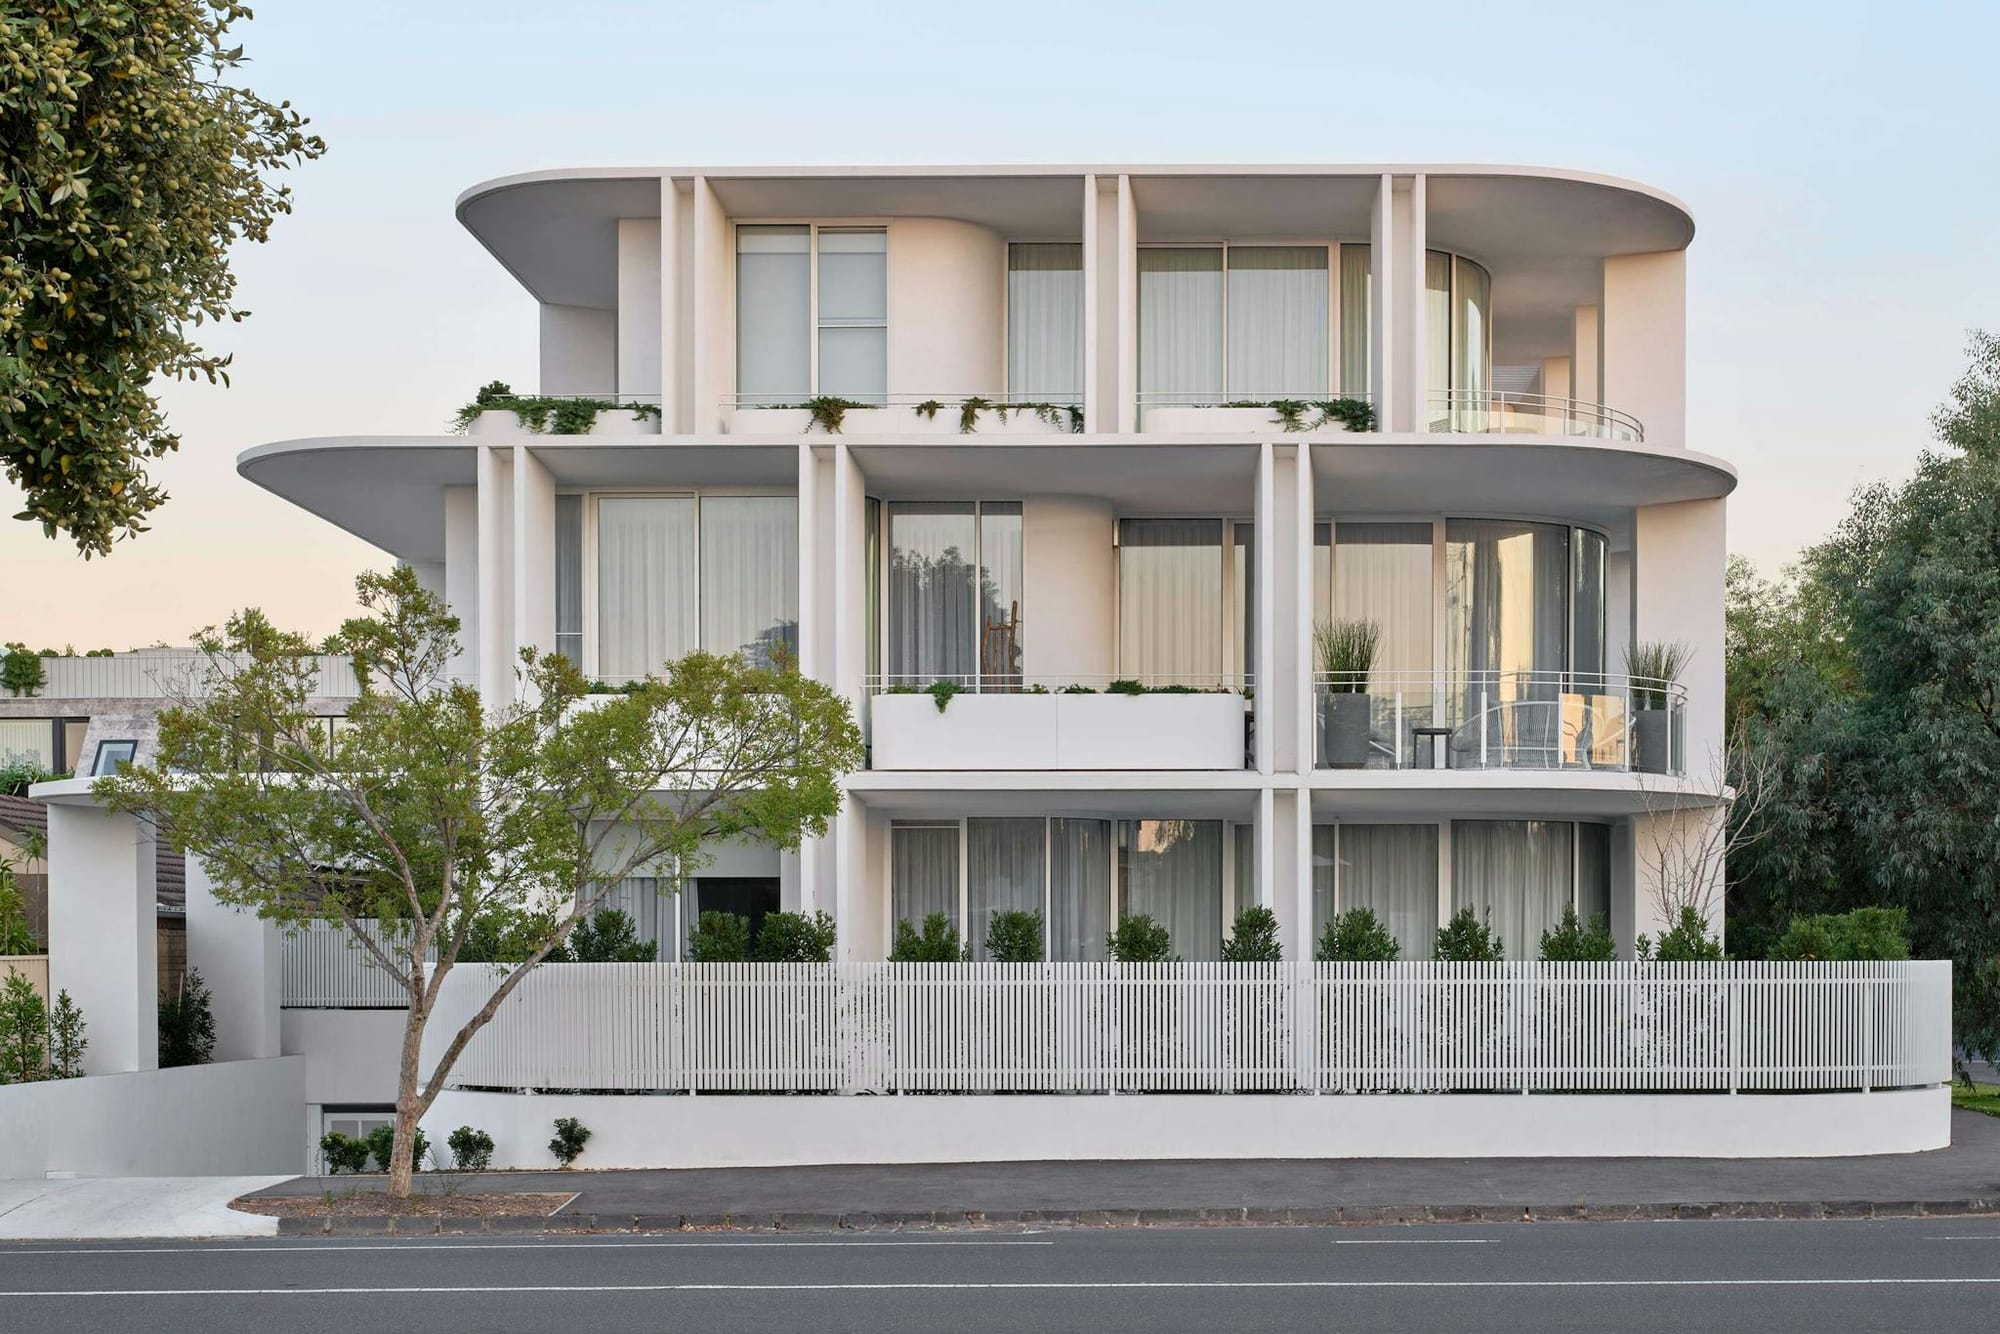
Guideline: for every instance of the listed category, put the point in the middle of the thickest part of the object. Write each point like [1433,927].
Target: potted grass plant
[1346,652]
[1653,667]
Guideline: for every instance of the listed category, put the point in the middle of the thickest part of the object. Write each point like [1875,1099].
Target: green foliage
[1573,941]
[1077,690]
[828,412]
[15,937]
[1467,939]
[1346,651]
[20,775]
[1125,686]
[471,1150]
[1253,938]
[938,942]
[130,165]
[343,1152]
[719,937]
[1652,666]
[928,409]
[943,692]
[428,811]
[1356,414]
[1014,937]
[608,936]
[187,1026]
[571,1135]
[24,1032]
[1864,934]
[968,414]
[1353,413]
[1356,936]
[1139,939]
[20,667]
[542,413]
[795,937]
[381,1144]
[67,1044]
[1687,941]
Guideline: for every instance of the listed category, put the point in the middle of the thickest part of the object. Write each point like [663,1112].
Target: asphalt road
[1816,1276]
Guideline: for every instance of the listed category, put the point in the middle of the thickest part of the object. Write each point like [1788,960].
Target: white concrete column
[1300,619]
[1381,309]
[1586,356]
[104,932]
[534,554]
[1412,411]
[1675,863]
[846,666]
[1093,387]
[1128,307]
[1555,377]
[639,311]
[461,572]
[1268,716]
[240,958]
[496,569]
[714,279]
[670,307]
[1645,342]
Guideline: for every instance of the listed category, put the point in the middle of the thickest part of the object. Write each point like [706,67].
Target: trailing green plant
[928,409]
[15,937]
[381,1144]
[795,937]
[937,942]
[968,414]
[343,1152]
[719,937]
[1125,685]
[828,411]
[21,670]
[1861,934]
[67,1044]
[1356,936]
[471,1150]
[942,692]
[1346,652]
[1056,416]
[1139,939]
[1077,690]
[570,1137]
[187,1027]
[1575,941]
[1653,666]
[608,936]
[24,1032]
[1253,938]
[494,394]
[1291,413]
[1014,936]
[1467,939]
[545,414]
[1687,941]
[1356,414]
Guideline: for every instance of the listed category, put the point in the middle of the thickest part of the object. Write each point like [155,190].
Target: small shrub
[15,937]
[1253,938]
[608,936]
[1863,934]
[187,1027]
[1356,936]
[471,1150]
[21,670]
[942,692]
[1015,937]
[381,1145]
[343,1153]
[1140,939]
[17,776]
[1571,941]
[938,942]
[67,1043]
[571,1136]
[1687,941]
[1466,939]
[795,937]
[719,937]
[1125,686]
[24,1032]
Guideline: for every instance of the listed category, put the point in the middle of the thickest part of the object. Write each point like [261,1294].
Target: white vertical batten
[1128,307]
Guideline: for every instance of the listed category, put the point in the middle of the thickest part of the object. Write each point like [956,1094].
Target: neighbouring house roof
[25,815]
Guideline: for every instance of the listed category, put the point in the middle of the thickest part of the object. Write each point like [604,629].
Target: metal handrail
[945,402]
[1576,416]
[1257,397]
[1018,683]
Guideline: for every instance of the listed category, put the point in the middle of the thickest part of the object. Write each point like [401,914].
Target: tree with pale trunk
[441,820]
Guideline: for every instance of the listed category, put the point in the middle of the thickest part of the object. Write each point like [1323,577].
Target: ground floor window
[1520,876]
[1390,869]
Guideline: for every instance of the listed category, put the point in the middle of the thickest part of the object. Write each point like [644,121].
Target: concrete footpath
[94,1207]
[1962,1179]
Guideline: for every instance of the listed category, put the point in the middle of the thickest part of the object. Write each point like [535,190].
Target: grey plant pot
[1346,731]
[1651,741]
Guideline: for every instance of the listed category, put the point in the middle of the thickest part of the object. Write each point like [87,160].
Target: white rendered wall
[714,316]
[1617,609]
[1586,355]
[639,296]
[782,1131]
[103,925]
[1070,568]
[1679,564]
[239,956]
[533,514]
[1555,377]
[947,308]
[496,594]
[579,350]
[1645,342]
[461,573]
[350,1055]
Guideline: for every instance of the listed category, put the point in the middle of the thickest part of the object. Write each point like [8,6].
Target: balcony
[901,414]
[1501,720]
[1257,415]
[1032,723]
[1487,412]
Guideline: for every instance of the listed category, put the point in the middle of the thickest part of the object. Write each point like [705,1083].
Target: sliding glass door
[1045,323]
[1226,323]
[955,593]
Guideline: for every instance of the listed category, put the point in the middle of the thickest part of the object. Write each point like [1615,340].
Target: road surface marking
[332,1247]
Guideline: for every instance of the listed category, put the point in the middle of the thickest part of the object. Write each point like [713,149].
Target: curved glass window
[1458,297]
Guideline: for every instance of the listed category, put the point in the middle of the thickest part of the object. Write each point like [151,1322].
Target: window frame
[813,228]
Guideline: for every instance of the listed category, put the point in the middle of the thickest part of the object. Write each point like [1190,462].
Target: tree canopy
[129,164]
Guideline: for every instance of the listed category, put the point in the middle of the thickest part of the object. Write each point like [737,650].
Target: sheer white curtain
[749,575]
[1180,323]
[1593,872]
[1356,318]
[645,583]
[652,913]
[1001,649]
[933,624]
[1437,334]
[854,313]
[1382,573]
[569,577]
[1244,850]
[1080,854]
[773,314]
[1392,869]
[1325,852]
[1277,334]
[1471,336]
[1003,873]
[1516,874]
[1170,599]
[1171,871]
[923,872]
[1507,615]
[1044,322]
[1586,636]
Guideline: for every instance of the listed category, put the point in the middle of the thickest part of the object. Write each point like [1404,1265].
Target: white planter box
[617,421]
[1229,421]
[899,420]
[1058,731]
[987,423]
[497,422]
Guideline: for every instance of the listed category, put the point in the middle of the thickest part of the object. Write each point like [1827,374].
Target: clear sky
[1839,160]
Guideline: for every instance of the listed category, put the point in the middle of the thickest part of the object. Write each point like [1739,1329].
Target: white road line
[332,1247]
[1165,1286]
[1424,1241]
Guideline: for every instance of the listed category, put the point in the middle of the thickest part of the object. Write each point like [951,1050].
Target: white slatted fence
[323,967]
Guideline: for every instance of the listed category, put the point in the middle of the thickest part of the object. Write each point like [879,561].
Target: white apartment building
[1524,509]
